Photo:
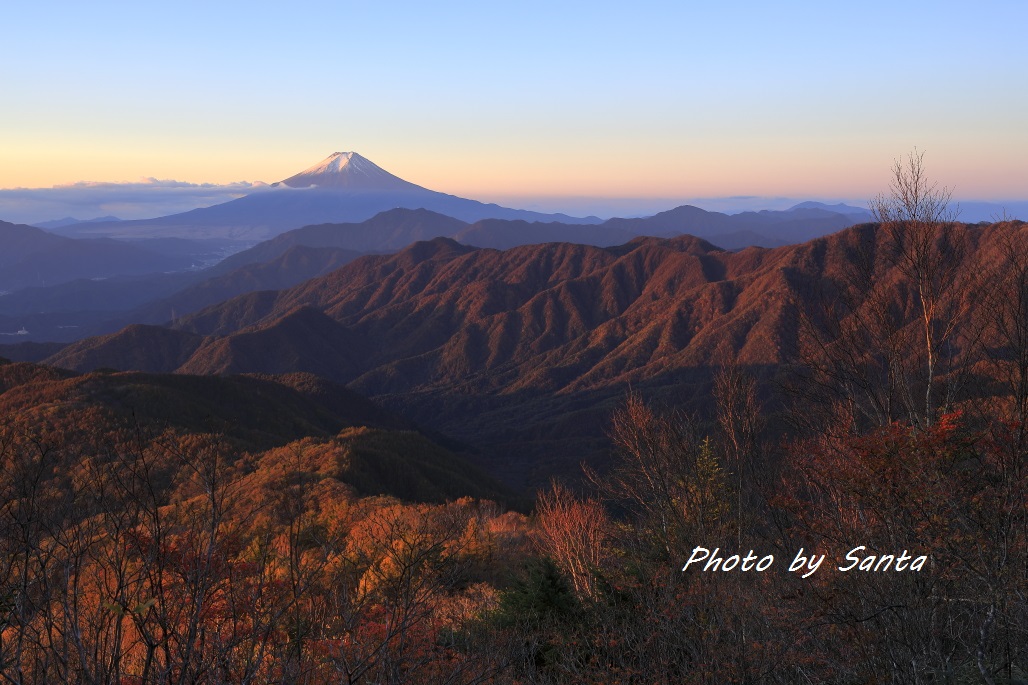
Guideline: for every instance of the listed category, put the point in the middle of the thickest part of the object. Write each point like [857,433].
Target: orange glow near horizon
[707,170]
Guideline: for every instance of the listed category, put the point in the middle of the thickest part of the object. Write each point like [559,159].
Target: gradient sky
[640,99]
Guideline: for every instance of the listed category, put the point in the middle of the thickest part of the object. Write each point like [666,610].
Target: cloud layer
[145,199]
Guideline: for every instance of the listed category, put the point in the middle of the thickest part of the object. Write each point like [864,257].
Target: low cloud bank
[145,199]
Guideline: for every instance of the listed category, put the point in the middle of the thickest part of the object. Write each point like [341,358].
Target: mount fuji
[348,171]
[344,187]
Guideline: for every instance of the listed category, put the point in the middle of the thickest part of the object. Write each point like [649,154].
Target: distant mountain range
[395,229]
[348,188]
[68,221]
[53,306]
[348,202]
[343,187]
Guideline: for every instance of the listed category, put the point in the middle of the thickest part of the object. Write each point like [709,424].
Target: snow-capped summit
[348,171]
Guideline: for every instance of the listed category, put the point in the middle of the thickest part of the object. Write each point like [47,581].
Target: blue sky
[525,101]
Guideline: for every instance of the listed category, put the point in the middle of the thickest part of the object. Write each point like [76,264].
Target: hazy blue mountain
[838,208]
[30,256]
[735,231]
[69,220]
[397,228]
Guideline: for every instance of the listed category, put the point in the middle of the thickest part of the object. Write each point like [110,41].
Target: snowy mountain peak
[337,161]
[349,171]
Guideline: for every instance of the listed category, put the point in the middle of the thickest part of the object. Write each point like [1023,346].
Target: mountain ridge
[505,347]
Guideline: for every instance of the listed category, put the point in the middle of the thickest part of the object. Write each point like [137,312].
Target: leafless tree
[894,337]
[575,534]
[913,197]
[930,255]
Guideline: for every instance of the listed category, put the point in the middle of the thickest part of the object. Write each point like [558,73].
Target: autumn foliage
[257,529]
